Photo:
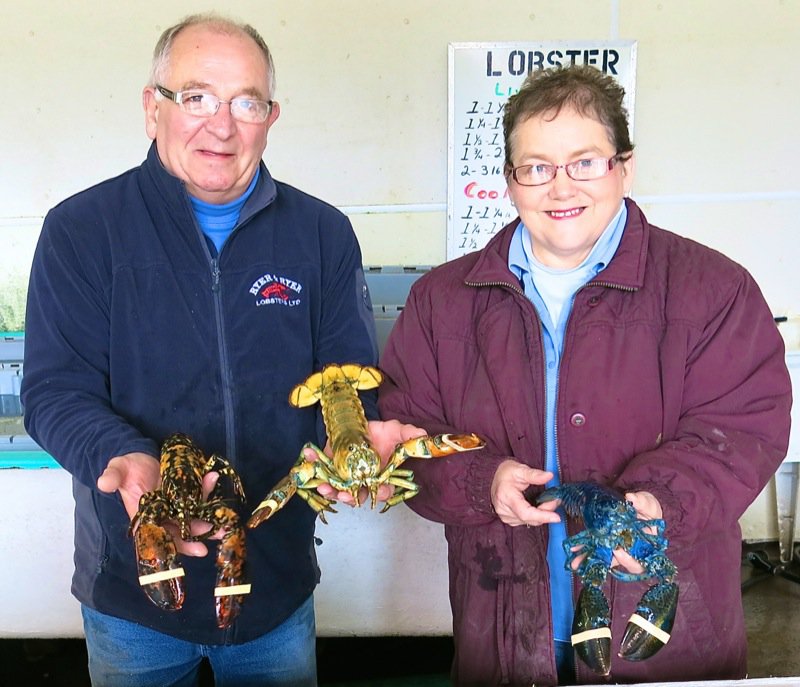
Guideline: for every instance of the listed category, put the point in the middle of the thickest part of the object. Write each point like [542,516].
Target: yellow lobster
[355,463]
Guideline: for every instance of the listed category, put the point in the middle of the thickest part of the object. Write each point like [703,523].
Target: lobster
[355,463]
[180,499]
[611,523]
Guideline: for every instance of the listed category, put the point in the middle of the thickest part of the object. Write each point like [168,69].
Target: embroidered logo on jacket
[272,289]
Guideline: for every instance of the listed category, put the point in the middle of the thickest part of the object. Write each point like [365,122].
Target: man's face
[216,156]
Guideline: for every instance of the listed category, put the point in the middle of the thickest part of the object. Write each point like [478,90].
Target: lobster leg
[302,476]
[424,447]
[317,501]
[436,446]
[223,467]
[405,488]
[649,627]
[591,629]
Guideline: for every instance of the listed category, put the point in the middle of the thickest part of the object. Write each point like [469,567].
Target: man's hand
[384,435]
[131,475]
[508,499]
[134,474]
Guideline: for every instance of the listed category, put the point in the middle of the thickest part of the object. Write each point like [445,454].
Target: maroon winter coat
[673,380]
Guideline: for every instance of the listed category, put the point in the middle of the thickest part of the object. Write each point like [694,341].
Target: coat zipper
[227,403]
[497,283]
[516,289]
[222,345]
[609,285]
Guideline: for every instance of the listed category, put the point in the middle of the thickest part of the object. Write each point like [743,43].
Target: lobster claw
[231,583]
[303,473]
[591,629]
[160,574]
[649,627]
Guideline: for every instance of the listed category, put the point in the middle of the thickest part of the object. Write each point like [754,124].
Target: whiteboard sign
[481,77]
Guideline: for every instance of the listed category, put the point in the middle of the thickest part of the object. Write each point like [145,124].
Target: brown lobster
[180,499]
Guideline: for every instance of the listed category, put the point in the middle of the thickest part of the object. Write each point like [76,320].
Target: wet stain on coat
[490,564]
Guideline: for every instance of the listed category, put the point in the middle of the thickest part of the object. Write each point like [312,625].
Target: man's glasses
[579,170]
[202,104]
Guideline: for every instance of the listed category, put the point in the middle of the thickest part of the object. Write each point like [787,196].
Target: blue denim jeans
[565,662]
[124,654]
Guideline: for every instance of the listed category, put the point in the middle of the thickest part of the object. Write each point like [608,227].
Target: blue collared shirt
[552,291]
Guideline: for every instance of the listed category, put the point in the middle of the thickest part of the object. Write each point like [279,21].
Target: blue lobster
[611,523]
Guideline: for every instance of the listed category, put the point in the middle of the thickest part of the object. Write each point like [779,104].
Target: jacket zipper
[214,275]
[222,345]
[227,401]
[497,283]
[216,286]
[618,287]
[513,287]
[516,289]
[610,285]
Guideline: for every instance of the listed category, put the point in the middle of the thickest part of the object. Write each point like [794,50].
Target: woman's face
[566,217]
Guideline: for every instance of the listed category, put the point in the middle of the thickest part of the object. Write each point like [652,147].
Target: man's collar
[174,192]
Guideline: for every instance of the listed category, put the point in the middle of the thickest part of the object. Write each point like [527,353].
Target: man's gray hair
[215,22]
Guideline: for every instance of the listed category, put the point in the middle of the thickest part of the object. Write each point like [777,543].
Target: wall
[363,92]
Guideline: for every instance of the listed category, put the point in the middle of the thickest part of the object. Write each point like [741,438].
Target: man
[191,294]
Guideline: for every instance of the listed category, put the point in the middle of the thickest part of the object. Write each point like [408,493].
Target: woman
[586,344]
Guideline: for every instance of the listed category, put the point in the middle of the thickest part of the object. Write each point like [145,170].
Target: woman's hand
[508,498]
[647,507]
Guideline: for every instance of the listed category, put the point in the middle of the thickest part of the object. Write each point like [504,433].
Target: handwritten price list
[485,207]
[482,76]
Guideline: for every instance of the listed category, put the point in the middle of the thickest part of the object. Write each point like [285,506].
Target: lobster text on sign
[523,62]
